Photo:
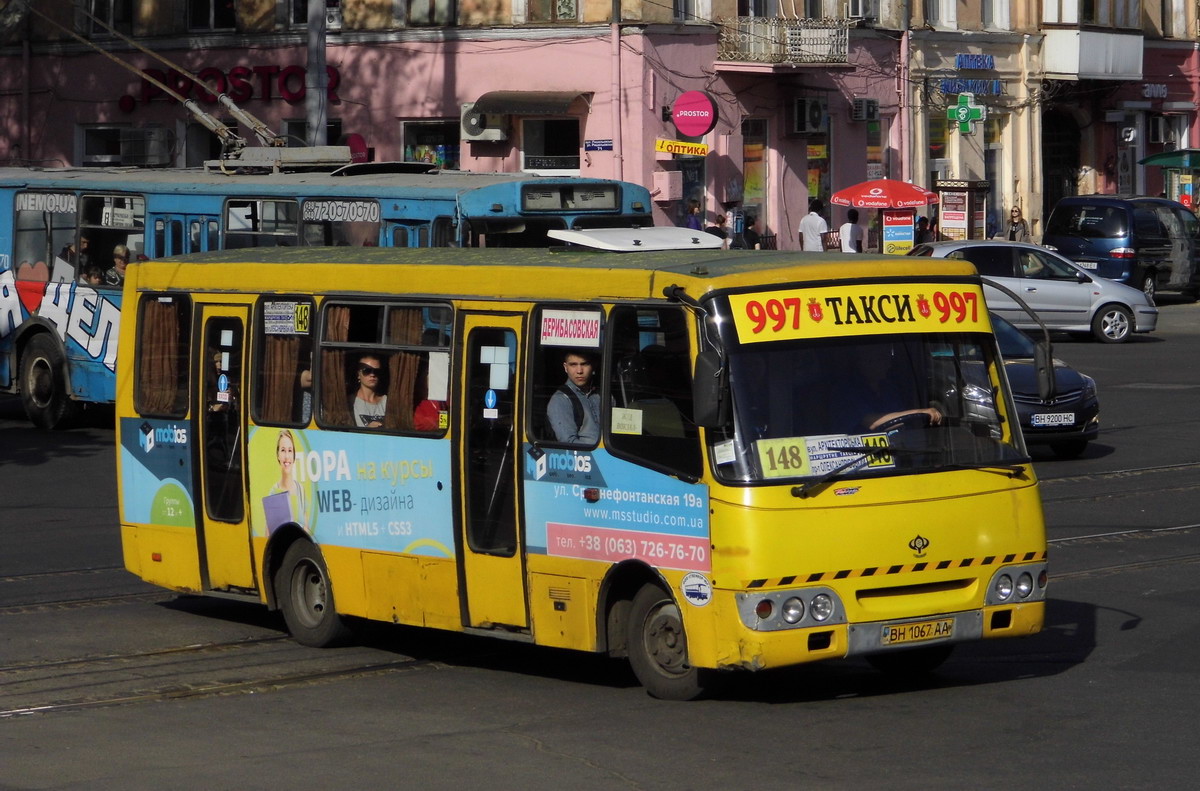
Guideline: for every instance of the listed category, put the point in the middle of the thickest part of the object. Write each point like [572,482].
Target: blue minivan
[1148,243]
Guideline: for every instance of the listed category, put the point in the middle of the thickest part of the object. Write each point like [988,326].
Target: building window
[941,13]
[333,13]
[995,15]
[211,15]
[1098,13]
[698,11]
[296,131]
[550,146]
[432,13]
[553,11]
[117,14]
[101,145]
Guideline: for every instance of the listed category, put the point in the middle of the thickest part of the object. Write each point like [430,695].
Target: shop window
[434,142]
[550,146]
[161,363]
[211,15]
[385,367]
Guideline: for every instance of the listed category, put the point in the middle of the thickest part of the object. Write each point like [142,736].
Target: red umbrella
[884,194]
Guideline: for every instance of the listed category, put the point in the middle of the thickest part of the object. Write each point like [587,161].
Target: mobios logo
[167,436]
[563,466]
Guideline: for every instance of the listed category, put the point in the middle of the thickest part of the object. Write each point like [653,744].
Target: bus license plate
[1054,419]
[894,634]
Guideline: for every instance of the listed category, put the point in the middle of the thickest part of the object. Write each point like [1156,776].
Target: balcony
[1083,54]
[782,41]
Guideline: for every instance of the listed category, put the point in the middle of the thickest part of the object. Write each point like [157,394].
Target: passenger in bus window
[370,401]
[574,409]
[115,275]
[92,275]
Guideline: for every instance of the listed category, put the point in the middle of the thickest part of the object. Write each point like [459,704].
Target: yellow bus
[763,458]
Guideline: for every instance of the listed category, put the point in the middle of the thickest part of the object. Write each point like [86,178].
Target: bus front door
[223,526]
[492,557]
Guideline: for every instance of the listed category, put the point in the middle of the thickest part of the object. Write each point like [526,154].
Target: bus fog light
[1043,578]
[763,609]
[793,610]
[821,607]
[1024,585]
[1004,587]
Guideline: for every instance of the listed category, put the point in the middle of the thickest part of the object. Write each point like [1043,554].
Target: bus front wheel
[306,597]
[658,647]
[43,384]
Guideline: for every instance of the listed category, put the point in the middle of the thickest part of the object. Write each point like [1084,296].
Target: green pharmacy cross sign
[966,113]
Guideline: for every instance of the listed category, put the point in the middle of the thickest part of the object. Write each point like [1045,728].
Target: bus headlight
[1024,585]
[792,610]
[1004,587]
[821,607]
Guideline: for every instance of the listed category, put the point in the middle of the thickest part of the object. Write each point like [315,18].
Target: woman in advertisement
[286,501]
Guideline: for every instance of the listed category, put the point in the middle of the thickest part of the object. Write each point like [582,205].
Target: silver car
[1064,296]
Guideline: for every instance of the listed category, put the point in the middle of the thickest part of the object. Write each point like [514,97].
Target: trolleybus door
[492,552]
[223,525]
[176,234]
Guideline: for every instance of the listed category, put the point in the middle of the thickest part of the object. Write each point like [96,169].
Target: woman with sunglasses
[370,403]
[1017,229]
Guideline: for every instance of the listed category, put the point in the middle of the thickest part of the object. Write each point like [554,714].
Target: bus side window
[283,370]
[651,387]
[563,334]
[400,352]
[162,350]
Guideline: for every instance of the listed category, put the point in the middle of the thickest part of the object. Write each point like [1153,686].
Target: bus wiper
[873,451]
[1011,470]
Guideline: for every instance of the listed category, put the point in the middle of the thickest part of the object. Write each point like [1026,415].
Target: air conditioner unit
[808,116]
[861,9]
[484,127]
[864,110]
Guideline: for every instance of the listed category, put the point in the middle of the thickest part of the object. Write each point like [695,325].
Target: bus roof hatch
[630,240]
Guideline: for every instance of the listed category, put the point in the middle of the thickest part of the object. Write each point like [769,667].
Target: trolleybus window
[261,223]
[44,232]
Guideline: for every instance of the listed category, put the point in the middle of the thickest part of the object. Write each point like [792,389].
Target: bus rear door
[492,572]
[223,525]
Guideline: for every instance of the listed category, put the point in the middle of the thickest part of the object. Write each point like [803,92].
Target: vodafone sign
[694,114]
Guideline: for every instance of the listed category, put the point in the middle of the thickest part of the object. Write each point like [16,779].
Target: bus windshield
[804,408]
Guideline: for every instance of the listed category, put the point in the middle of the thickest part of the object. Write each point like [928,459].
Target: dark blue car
[1149,243]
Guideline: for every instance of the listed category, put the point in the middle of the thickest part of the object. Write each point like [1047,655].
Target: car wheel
[1069,449]
[1112,324]
[1149,285]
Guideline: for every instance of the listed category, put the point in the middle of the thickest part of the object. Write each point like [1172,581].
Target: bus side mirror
[710,393]
[1043,361]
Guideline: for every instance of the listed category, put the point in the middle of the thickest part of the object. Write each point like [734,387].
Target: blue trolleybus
[66,233]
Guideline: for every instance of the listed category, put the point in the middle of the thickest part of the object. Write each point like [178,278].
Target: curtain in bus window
[281,366]
[334,407]
[161,377]
[404,327]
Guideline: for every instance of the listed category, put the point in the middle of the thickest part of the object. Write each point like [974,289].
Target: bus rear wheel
[658,647]
[306,597]
[43,384]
